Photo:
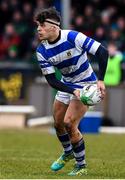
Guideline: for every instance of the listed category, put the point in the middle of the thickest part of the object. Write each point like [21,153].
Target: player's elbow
[51,79]
[50,82]
[102,53]
[106,53]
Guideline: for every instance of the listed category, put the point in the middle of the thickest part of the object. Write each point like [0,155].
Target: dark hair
[49,13]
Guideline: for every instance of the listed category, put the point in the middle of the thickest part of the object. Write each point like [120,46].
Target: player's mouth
[40,35]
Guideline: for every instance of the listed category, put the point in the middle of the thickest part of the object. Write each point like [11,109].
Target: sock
[79,152]
[65,141]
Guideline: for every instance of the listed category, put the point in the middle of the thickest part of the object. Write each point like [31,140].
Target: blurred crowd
[99,19]
[102,20]
[17,29]
[105,22]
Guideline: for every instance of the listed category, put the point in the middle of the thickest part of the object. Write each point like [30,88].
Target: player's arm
[49,72]
[55,83]
[102,56]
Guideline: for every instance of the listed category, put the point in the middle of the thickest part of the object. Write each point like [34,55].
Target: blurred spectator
[12,53]
[100,35]
[8,39]
[113,73]
[27,12]
[105,21]
[117,37]
[89,19]
[111,10]
[24,30]
[79,23]
[41,4]
[19,23]
[121,23]
[14,4]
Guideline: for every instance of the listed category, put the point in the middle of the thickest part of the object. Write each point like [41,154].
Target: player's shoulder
[41,46]
[70,35]
[69,32]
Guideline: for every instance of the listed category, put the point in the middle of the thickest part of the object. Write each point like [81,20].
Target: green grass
[28,154]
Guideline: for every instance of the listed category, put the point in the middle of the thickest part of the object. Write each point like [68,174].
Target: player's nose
[38,28]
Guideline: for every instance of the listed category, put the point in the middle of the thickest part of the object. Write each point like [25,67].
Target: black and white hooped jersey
[69,55]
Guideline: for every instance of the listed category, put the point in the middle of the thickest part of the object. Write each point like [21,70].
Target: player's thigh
[59,110]
[75,112]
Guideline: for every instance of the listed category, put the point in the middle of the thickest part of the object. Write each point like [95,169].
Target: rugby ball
[90,94]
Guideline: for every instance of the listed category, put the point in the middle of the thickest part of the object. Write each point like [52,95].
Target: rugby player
[68,50]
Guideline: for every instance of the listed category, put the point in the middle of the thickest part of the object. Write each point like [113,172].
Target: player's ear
[53,28]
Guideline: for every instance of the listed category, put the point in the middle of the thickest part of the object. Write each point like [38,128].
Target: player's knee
[58,127]
[70,128]
[69,125]
[58,116]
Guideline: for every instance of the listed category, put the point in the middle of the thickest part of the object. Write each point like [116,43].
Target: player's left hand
[102,88]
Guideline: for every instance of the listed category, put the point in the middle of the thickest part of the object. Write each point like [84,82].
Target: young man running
[67,51]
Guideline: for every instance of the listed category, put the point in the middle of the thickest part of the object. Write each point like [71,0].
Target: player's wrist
[76,92]
[101,80]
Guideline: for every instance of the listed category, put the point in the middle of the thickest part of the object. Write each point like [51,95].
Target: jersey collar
[56,40]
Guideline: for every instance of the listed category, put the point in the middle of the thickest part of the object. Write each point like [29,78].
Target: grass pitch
[28,154]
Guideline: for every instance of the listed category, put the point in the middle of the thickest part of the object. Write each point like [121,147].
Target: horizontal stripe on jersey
[82,68]
[91,78]
[44,65]
[68,62]
[58,49]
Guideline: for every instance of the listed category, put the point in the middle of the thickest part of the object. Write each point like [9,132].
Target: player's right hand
[77,93]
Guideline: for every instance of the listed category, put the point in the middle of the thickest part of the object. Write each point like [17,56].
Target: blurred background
[21,80]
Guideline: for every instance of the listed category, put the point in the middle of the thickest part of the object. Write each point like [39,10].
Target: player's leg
[59,110]
[74,113]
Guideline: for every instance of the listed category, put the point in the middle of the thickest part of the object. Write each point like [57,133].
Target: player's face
[44,30]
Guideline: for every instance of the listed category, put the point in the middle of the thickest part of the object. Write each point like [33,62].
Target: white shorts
[64,97]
